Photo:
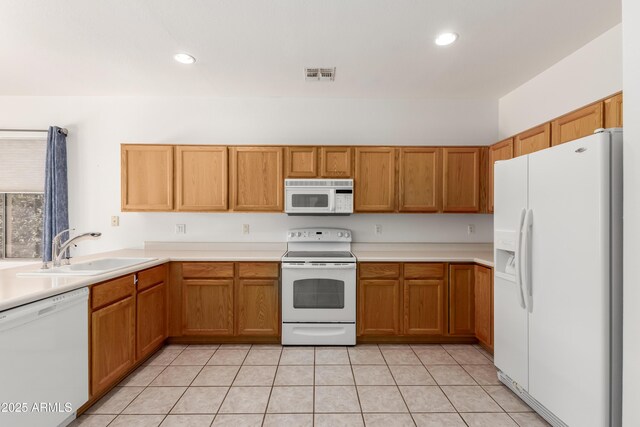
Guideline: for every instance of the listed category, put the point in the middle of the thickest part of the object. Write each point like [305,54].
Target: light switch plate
[181,228]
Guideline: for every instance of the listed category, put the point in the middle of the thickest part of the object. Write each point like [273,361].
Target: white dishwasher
[44,367]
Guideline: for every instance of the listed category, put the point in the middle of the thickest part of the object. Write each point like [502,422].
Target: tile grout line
[264,415]
[146,387]
[215,416]
[355,385]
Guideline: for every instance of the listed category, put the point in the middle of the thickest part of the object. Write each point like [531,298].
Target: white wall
[590,73]
[631,84]
[97,126]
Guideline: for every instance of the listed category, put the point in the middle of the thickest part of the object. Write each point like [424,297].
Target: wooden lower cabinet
[227,299]
[113,331]
[207,307]
[257,307]
[424,307]
[379,304]
[483,290]
[151,319]
[402,299]
[128,322]
[461,299]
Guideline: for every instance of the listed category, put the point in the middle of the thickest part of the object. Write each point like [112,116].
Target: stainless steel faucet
[58,248]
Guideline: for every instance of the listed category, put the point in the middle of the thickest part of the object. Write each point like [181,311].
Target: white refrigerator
[557,281]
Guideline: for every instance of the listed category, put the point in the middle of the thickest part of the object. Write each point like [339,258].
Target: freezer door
[510,318]
[569,292]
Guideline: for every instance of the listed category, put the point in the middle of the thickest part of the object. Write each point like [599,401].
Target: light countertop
[15,291]
[481,253]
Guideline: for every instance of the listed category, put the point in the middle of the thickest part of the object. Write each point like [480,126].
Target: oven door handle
[319,266]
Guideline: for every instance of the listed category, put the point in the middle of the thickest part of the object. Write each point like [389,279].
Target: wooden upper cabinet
[256,179]
[201,178]
[301,162]
[483,291]
[532,140]
[577,124]
[420,176]
[613,111]
[375,180]
[146,178]
[461,184]
[335,162]
[502,150]
[461,299]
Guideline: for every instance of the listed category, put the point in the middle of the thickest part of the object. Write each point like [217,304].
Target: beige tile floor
[270,385]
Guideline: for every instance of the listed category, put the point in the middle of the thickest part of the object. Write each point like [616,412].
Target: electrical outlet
[378,229]
[181,228]
[115,221]
[471,228]
[245,228]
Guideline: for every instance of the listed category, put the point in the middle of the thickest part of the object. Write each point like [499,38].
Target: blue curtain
[56,206]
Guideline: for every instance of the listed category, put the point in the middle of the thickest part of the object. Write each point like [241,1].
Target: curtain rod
[63,130]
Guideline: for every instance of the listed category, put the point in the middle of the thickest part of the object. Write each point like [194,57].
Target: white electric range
[319,288]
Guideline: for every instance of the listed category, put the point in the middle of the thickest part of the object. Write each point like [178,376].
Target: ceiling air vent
[320,74]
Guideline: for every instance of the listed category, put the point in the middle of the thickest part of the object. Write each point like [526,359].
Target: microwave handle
[332,200]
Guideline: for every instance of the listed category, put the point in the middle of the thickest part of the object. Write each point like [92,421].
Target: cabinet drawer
[259,269]
[379,270]
[151,276]
[109,292]
[423,270]
[207,269]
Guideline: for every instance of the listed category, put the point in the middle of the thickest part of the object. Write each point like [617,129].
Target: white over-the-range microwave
[318,196]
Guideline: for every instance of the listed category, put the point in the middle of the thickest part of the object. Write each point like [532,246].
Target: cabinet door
[503,150]
[201,178]
[533,140]
[461,300]
[301,162]
[379,307]
[257,307]
[577,124]
[207,307]
[151,325]
[335,162]
[424,307]
[375,181]
[147,177]
[613,111]
[420,188]
[112,343]
[461,179]
[483,289]
[256,179]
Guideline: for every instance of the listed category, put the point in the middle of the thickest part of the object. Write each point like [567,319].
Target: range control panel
[319,235]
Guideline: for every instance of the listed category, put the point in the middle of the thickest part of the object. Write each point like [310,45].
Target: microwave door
[301,201]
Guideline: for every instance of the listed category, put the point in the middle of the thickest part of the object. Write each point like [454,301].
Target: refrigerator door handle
[526,243]
[518,259]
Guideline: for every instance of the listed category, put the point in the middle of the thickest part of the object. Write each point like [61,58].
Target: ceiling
[259,48]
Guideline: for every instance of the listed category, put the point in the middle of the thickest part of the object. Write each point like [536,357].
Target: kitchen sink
[88,268]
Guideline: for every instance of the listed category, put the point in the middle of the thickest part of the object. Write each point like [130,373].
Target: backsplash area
[136,228]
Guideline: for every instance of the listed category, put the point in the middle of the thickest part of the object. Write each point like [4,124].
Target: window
[21,220]
[22,162]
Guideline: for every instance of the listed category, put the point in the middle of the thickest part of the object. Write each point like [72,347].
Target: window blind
[22,162]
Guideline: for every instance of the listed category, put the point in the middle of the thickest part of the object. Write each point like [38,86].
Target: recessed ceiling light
[184,58]
[445,39]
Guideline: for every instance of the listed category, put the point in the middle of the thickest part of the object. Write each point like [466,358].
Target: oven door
[319,292]
[309,200]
